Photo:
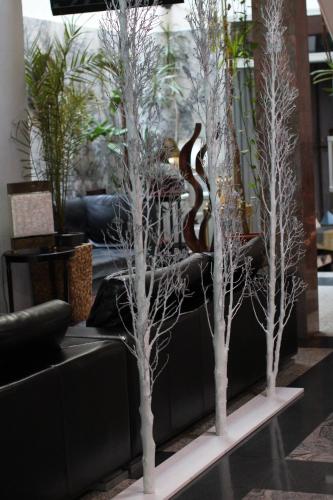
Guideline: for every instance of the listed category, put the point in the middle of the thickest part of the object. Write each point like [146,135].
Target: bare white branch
[154,289]
[277,289]
[208,21]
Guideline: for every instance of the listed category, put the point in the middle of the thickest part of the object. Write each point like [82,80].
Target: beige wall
[12,103]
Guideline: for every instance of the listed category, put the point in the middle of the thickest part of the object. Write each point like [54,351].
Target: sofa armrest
[45,325]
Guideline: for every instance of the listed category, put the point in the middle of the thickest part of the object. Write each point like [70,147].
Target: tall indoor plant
[58,75]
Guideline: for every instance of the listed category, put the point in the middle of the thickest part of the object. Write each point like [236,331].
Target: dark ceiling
[63,7]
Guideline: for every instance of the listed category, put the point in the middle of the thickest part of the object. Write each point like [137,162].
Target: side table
[37,255]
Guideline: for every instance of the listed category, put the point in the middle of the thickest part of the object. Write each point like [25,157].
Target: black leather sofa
[99,218]
[184,391]
[70,403]
[64,406]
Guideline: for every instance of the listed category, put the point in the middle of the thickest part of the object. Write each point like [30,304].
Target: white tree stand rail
[183,467]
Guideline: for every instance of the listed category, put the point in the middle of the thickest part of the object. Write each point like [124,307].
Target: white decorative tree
[207,19]
[276,290]
[154,298]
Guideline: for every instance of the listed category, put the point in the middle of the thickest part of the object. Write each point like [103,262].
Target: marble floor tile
[305,359]
[260,464]
[108,494]
[308,357]
[285,495]
[318,446]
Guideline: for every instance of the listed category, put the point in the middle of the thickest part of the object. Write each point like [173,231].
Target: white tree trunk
[273,222]
[147,422]
[271,379]
[219,338]
[221,384]
[270,376]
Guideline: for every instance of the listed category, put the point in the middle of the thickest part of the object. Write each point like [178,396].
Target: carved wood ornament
[194,242]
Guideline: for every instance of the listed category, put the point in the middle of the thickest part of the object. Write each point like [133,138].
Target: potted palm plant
[59,74]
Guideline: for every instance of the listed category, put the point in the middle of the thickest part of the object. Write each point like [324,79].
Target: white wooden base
[180,469]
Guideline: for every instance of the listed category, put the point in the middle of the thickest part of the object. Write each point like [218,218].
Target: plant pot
[70,240]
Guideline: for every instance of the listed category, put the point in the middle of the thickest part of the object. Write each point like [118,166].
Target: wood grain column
[297,42]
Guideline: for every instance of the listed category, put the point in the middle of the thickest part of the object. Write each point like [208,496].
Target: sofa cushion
[109,260]
[43,325]
[111,309]
[75,215]
[105,214]
[255,249]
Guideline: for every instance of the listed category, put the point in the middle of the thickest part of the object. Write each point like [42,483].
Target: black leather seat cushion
[255,249]
[43,325]
[108,260]
[100,218]
[110,308]
[105,215]
[75,215]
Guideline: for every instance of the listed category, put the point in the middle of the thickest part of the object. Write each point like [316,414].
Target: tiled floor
[318,446]
[282,495]
[306,358]
[290,458]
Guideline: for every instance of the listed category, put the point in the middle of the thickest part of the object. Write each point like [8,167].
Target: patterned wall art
[32,214]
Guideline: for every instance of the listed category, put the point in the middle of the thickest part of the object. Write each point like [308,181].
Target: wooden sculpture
[194,242]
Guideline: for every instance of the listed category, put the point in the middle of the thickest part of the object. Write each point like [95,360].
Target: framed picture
[31,209]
